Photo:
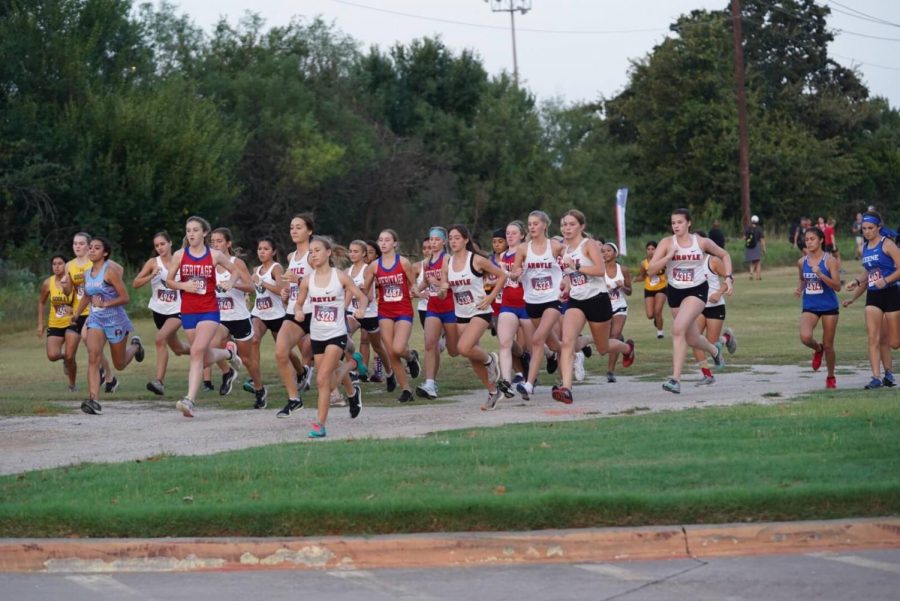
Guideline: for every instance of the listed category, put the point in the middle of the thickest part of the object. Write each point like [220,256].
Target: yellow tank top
[653,282]
[60,306]
[76,274]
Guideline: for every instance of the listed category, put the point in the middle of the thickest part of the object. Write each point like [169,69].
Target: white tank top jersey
[232,304]
[359,279]
[686,268]
[423,302]
[467,286]
[301,268]
[616,294]
[542,276]
[583,286]
[328,314]
[267,305]
[164,301]
[715,284]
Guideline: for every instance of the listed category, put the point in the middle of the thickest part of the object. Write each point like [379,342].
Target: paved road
[853,576]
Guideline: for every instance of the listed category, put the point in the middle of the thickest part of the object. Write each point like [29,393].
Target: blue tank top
[817,295]
[104,317]
[878,263]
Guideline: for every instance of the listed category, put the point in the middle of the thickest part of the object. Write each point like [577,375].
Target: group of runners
[534,292]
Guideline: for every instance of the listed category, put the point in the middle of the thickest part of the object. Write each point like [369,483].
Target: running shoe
[111,386]
[413,364]
[873,384]
[492,399]
[519,377]
[355,402]
[562,394]
[139,352]
[227,382]
[888,379]
[672,385]
[248,386]
[262,398]
[234,359]
[525,389]
[376,378]
[406,396]
[719,357]
[308,372]
[186,406]
[336,399]
[579,366]
[610,377]
[587,350]
[426,390]
[506,388]
[292,405]
[707,381]
[493,368]
[660,334]
[73,388]
[628,358]
[361,368]
[208,386]
[830,382]
[552,363]
[92,407]
[817,359]
[156,387]
[391,382]
[730,341]
[317,430]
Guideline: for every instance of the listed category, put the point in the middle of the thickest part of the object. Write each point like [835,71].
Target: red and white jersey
[513,293]
[686,268]
[394,299]
[200,270]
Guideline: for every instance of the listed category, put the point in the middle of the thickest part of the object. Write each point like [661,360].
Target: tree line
[123,120]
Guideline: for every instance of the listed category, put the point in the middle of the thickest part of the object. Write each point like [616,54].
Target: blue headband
[884,231]
[871,219]
[437,232]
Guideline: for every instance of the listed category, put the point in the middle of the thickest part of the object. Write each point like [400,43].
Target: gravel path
[132,430]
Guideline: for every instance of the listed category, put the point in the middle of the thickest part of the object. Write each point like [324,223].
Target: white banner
[621,200]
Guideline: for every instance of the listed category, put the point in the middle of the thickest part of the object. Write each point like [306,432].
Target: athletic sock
[706,372]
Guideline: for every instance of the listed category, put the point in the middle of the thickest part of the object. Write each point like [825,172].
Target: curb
[445,550]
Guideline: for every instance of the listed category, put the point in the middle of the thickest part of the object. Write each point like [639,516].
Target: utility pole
[743,143]
[511,6]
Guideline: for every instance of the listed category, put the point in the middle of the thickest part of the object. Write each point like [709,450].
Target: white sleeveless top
[467,287]
[327,303]
[359,279]
[542,276]
[423,302]
[164,301]
[232,304]
[267,305]
[715,284]
[583,286]
[301,268]
[686,269]
[616,294]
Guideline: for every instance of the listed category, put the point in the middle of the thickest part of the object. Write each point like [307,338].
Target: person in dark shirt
[716,234]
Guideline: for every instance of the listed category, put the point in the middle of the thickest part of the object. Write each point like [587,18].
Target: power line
[859,62]
[861,15]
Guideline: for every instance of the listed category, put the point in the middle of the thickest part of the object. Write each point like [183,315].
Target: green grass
[835,455]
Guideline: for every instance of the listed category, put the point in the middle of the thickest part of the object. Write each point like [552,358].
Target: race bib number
[614,294]
[354,302]
[79,290]
[683,275]
[499,298]
[542,284]
[165,295]
[325,314]
[264,303]
[463,298]
[874,275]
[63,310]
[577,278]
[201,285]
[432,290]
[814,287]
[393,293]
[295,290]
[654,280]
[226,303]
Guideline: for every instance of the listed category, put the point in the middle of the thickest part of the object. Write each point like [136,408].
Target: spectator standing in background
[754,247]
[716,234]
[856,230]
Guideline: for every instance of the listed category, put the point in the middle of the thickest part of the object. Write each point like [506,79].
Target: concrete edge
[445,550]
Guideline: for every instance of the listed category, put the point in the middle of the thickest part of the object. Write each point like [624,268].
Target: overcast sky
[585,46]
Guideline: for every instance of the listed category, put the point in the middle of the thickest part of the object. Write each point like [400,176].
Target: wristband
[730,276]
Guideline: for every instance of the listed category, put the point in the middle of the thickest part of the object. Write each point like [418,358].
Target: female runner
[819,282]
[513,317]
[618,285]
[195,266]
[440,317]
[324,289]
[880,257]
[654,291]
[58,290]
[165,304]
[107,321]
[687,290]
[369,321]
[710,322]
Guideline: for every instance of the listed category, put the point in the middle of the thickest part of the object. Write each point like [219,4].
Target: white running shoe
[493,368]
[579,367]
[234,359]
[186,406]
